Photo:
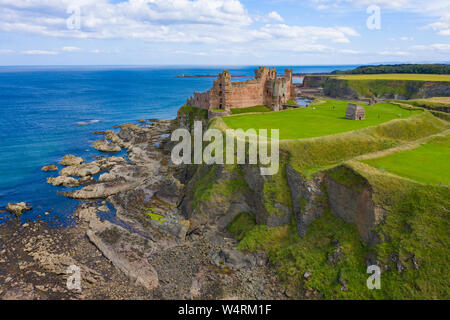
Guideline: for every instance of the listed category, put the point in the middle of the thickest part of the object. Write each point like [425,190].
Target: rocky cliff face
[384,89]
[214,195]
[357,207]
[308,198]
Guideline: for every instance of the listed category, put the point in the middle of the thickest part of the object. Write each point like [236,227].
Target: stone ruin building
[265,89]
[355,112]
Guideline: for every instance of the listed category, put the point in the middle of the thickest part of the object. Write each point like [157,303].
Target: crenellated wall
[265,89]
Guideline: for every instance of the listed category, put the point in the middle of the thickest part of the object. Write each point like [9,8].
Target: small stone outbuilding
[355,112]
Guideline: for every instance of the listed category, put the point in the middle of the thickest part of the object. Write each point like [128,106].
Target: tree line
[399,68]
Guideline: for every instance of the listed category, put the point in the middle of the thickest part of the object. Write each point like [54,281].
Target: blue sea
[42,110]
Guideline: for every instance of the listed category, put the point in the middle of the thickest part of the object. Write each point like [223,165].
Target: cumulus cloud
[433,8]
[216,22]
[275,16]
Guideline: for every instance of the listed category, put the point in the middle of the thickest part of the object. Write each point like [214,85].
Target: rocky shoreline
[132,239]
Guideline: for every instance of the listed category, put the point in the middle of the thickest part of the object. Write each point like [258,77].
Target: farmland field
[397,76]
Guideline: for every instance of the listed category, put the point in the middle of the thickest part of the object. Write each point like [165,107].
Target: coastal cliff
[226,231]
[335,87]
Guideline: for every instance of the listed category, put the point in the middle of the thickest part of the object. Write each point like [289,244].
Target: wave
[85,123]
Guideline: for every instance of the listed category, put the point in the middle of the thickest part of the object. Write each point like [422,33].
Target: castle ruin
[355,112]
[265,89]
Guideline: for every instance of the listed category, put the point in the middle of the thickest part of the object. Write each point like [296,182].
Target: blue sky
[223,32]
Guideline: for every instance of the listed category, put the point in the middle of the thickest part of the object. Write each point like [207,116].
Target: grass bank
[429,163]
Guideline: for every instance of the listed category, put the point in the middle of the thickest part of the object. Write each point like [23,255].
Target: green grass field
[318,120]
[397,76]
[428,163]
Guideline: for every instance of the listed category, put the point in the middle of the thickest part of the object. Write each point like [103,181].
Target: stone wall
[265,89]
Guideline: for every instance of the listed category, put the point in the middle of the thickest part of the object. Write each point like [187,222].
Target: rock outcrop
[64,181]
[354,203]
[17,208]
[71,160]
[80,170]
[308,198]
[50,167]
[106,146]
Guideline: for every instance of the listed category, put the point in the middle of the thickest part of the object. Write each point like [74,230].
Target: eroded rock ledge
[132,213]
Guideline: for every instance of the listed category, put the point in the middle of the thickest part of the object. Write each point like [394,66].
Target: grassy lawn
[427,164]
[320,120]
[397,76]
[251,109]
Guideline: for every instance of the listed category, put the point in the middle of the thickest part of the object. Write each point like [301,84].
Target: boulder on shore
[106,146]
[17,208]
[81,170]
[50,167]
[64,181]
[71,160]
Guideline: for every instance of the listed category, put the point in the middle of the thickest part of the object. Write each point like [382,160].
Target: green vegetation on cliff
[242,224]
[207,186]
[331,260]
[192,113]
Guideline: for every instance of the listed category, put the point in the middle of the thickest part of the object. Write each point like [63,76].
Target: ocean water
[41,109]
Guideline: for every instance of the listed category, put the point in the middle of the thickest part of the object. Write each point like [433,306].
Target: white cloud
[6,51]
[394,53]
[70,49]
[275,16]
[432,8]
[39,52]
[445,32]
[214,22]
[349,51]
[443,47]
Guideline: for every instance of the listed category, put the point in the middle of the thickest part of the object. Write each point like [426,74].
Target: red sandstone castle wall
[264,89]
[243,96]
